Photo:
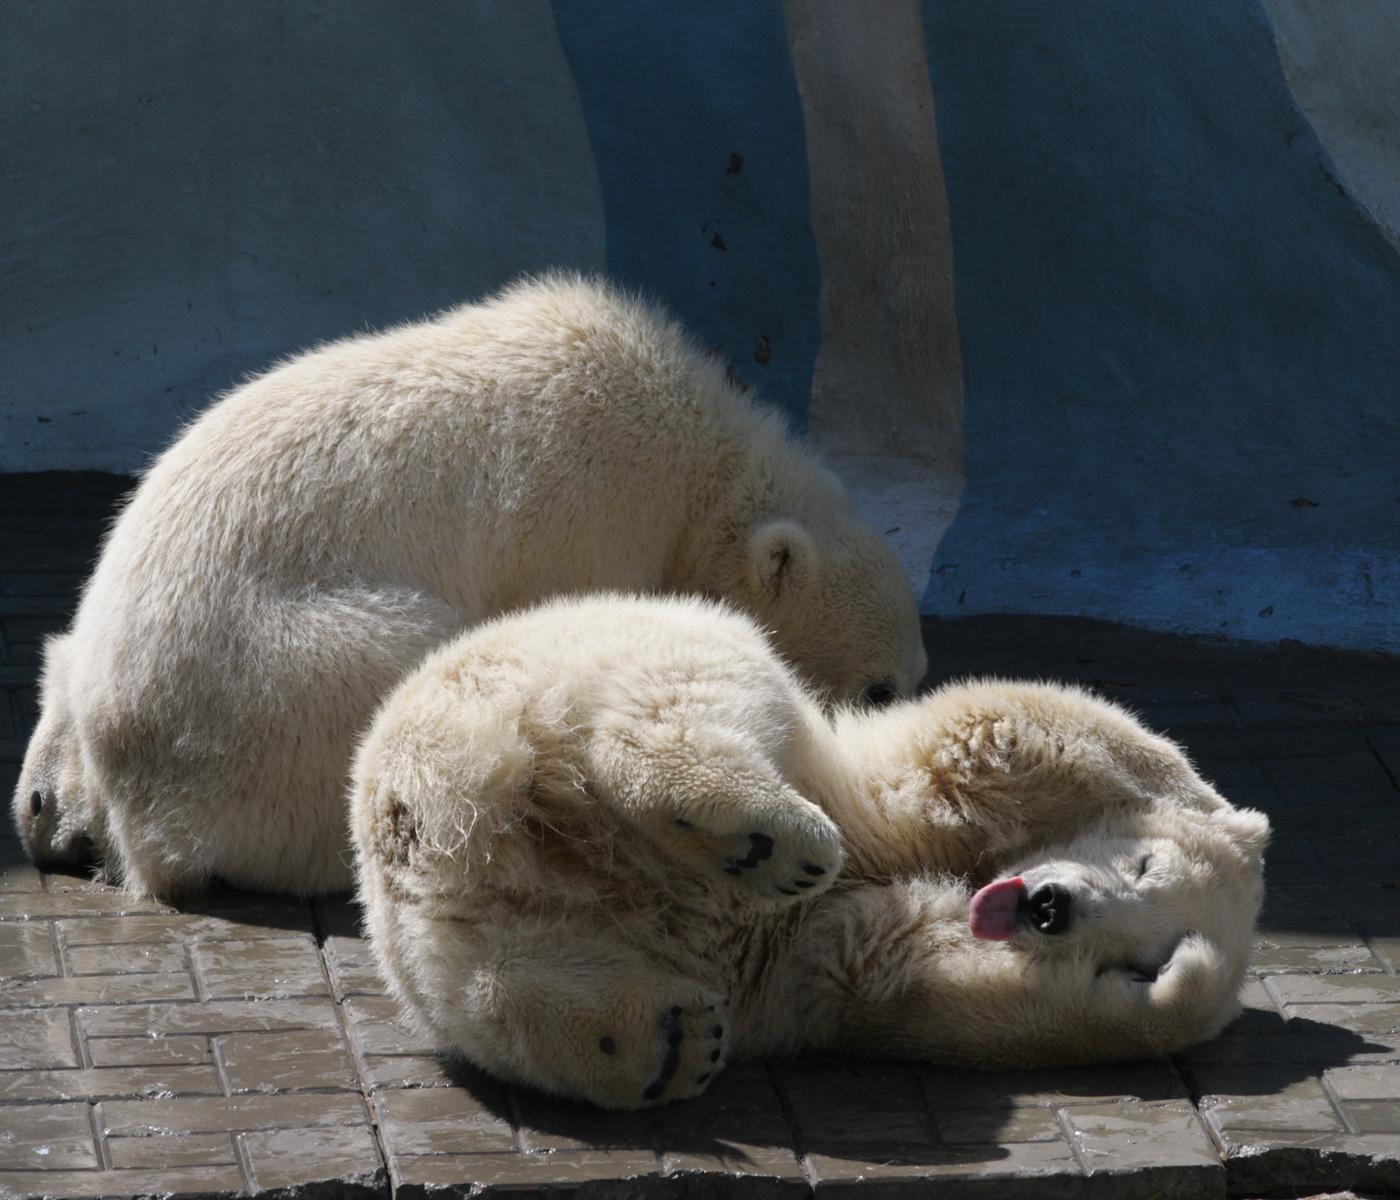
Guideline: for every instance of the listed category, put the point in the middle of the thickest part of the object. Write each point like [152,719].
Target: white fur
[555,821]
[314,533]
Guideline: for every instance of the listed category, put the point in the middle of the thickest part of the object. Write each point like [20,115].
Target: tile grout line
[319,935]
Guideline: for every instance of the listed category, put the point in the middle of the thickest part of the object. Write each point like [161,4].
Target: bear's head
[837,605]
[1152,909]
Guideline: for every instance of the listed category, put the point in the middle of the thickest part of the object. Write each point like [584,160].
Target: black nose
[1048,908]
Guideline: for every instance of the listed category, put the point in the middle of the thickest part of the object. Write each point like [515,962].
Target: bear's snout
[1048,908]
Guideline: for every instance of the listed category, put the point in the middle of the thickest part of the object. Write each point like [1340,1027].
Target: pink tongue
[992,915]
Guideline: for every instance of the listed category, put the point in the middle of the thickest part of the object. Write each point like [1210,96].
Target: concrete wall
[1097,306]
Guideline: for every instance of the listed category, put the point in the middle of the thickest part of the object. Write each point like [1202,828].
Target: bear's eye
[1143,864]
[36,803]
[879,694]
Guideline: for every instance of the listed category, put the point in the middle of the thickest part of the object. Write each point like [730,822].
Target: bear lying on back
[608,844]
[313,534]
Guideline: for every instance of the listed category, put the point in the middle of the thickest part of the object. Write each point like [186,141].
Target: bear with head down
[312,535]
[609,844]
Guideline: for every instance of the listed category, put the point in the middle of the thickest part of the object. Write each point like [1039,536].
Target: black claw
[704,1077]
[684,824]
[674,1038]
[652,1092]
[812,869]
[717,1031]
[787,891]
[714,1056]
[607,1045]
[762,846]
[803,883]
[732,871]
[676,1011]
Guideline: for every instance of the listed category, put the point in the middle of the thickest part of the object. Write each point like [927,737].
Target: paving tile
[175,1150]
[17,876]
[1334,989]
[1364,1083]
[46,905]
[1349,859]
[995,1125]
[137,959]
[171,926]
[1161,1138]
[407,1070]
[346,1156]
[159,1181]
[546,1124]
[148,1051]
[419,1121]
[36,1040]
[855,1105]
[1034,1170]
[1073,1085]
[377,1027]
[109,1083]
[216,1114]
[753,1144]
[221,1016]
[55,1137]
[490,1175]
[95,989]
[1301,1164]
[27,950]
[1373,1116]
[279,1062]
[260,968]
[351,966]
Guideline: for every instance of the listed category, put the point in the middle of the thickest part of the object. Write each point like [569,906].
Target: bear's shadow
[863,1112]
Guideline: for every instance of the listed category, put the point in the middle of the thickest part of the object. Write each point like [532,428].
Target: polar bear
[313,534]
[606,845]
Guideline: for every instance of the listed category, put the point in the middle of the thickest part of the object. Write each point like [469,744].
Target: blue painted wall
[1179,326]
[1181,337]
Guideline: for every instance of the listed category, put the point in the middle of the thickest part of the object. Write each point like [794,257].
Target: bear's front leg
[718,806]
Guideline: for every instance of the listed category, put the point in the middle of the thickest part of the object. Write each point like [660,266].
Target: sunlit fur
[315,532]
[544,812]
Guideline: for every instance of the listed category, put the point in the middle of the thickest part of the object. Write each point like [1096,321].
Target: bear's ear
[782,559]
[1247,826]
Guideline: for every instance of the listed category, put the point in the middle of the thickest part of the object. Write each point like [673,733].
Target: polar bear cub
[314,533]
[608,844]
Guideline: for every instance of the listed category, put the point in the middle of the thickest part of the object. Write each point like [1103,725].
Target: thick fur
[608,844]
[313,534]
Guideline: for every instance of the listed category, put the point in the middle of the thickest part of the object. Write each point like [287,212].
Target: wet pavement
[244,1045]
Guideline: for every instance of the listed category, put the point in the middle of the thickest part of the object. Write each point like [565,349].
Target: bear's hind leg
[559,1007]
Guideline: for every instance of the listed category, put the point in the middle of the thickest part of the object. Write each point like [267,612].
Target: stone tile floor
[244,1046]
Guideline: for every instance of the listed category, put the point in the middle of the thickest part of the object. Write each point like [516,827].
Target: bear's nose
[1048,908]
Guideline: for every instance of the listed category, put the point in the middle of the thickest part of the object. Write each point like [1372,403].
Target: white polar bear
[313,534]
[606,845]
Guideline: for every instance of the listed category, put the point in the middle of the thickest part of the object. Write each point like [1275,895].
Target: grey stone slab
[54,1137]
[1354,778]
[223,1016]
[1364,1083]
[351,966]
[345,1160]
[1373,1116]
[998,1125]
[258,968]
[90,905]
[1339,958]
[150,1051]
[280,1062]
[841,1106]
[174,1150]
[160,1181]
[1065,1086]
[620,1173]
[421,1121]
[95,989]
[1161,1145]
[218,1114]
[36,1040]
[140,958]
[406,1070]
[27,950]
[110,1083]
[377,1027]
[1334,989]
[1287,1164]
[273,921]
[1034,1170]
